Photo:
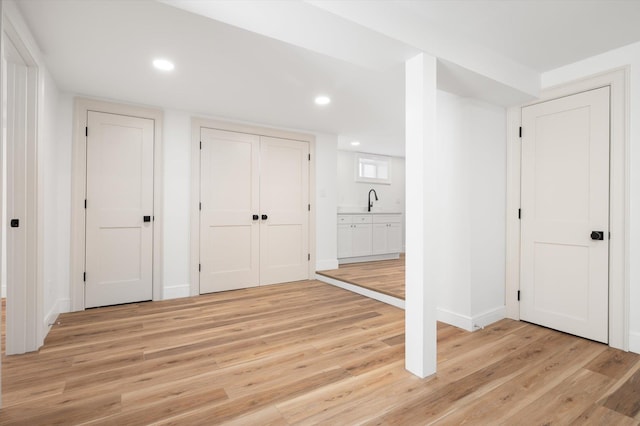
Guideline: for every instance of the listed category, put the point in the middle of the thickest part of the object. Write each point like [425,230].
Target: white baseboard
[61,306]
[489,317]
[394,301]
[634,342]
[371,258]
[452,318]
[471,323]
[326,264]
[176,291]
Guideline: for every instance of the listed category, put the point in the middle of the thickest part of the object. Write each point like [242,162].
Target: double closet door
[254,210]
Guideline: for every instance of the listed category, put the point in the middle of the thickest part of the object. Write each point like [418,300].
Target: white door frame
[618,80]
[25,328]
[79,190]
[196,124]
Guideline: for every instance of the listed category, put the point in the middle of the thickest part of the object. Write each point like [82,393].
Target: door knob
[256,217]
[264,217]
[597,235]
[146,218]
[15,223]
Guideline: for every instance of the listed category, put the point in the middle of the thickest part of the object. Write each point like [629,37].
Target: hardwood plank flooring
[383,276]
[307,353]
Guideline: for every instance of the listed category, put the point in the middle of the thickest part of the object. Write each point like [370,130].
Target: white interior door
[17,225]
[565,197]
[284,210]
[229,224]
[119,210]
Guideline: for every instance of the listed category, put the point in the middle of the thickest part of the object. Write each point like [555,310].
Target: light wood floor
[307,353]
[384,276]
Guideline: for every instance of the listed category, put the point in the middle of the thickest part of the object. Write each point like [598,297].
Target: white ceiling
[540,34]
[104,49]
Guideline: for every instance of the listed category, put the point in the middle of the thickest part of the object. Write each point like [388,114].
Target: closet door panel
[284,210]
[229,194]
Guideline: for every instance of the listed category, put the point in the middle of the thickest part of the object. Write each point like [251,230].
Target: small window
[373,168]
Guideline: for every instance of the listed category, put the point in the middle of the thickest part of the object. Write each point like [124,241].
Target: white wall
[177,187]
[177,190]
[352,196]
[55,152]
[326,202]
[625,56]
[472,154]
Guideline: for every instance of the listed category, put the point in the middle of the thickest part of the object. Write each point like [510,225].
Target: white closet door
[119,246]
[284,209]
[229,234]
[565,198]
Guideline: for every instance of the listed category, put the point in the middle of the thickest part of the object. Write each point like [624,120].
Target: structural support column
[421,215]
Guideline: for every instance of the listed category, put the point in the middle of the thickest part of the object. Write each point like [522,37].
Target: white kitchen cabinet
[345,240]
[354,235]
[372,236]
[387,234]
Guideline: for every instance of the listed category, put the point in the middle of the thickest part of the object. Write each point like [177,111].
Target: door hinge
[86,131]
[609,234]
[200,144]
[200,207]
[520,132]
[308,256]
[309,157]
[309,207]
[199,267]
[84,277]
[519,213]
[85,203]
[518,295]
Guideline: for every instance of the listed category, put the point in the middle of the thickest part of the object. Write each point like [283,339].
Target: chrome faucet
[370,203]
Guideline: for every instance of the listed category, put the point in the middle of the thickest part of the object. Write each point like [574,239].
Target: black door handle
[264,217]
[146,218]
[597,235]
[256,217]
[15,223]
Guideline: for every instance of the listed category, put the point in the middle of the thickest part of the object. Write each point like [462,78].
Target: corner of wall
[634,342]
[473,323]
[176,291]
[326,264]
[60,306]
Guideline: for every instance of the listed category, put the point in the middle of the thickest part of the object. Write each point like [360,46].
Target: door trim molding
[79,184]
[618,80]
[25,306]
[196,124]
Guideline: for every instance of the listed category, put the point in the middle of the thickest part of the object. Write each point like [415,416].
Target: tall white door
[284,210]
[229,210]
[119,210]
[565,214]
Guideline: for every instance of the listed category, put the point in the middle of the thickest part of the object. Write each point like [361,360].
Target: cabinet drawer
[365,218]
[387,218]
[344,218]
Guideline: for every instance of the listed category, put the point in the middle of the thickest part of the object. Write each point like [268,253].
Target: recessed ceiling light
[323,100]
[163,64]
[355,143]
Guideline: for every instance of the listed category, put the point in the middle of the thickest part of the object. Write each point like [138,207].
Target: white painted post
[421,215]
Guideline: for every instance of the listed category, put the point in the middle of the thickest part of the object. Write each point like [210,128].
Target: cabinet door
[345,237]
[361,241]
[394,238]
[379,238]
